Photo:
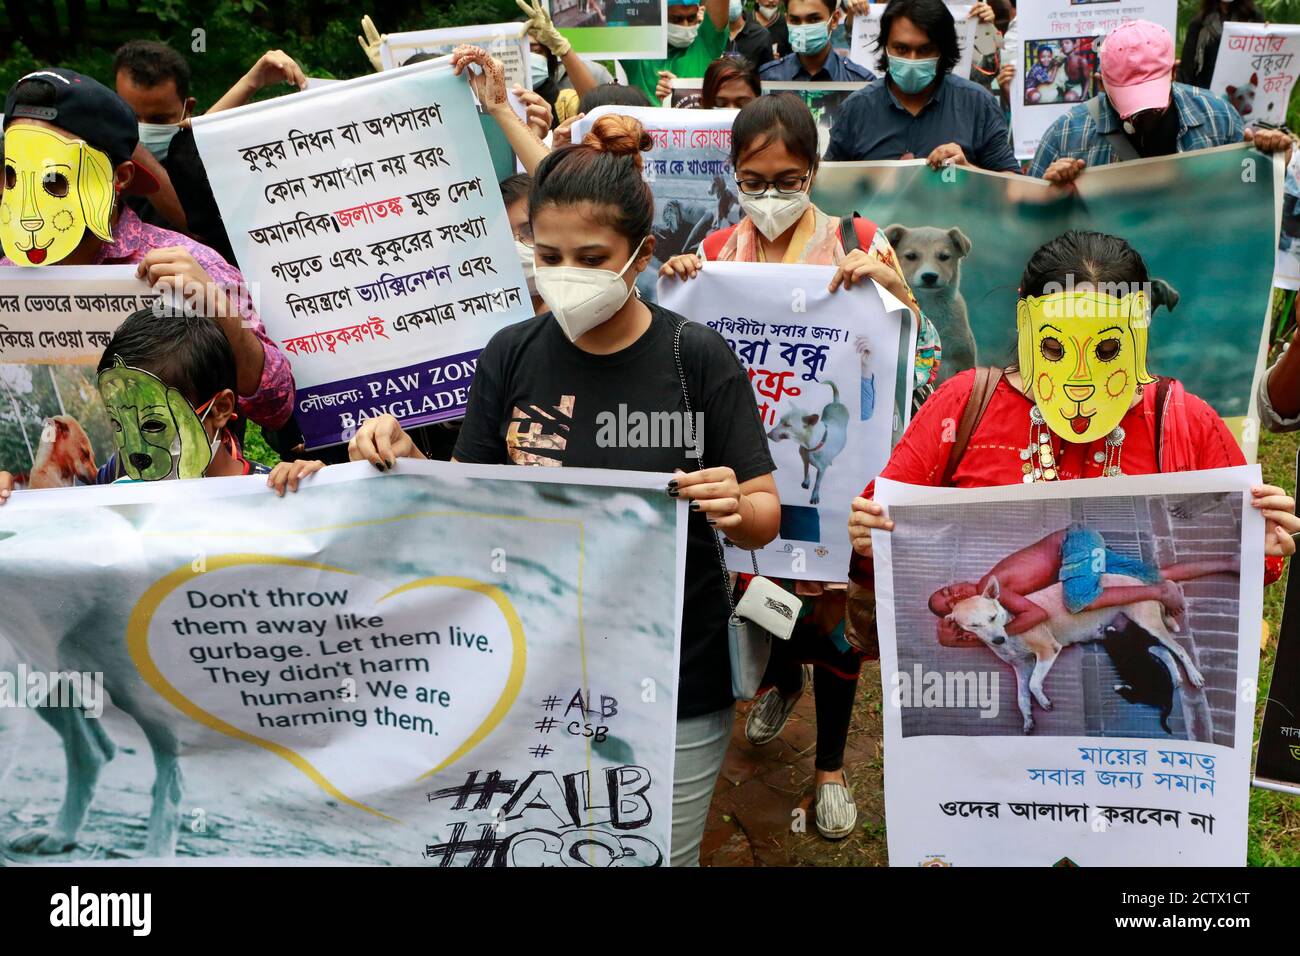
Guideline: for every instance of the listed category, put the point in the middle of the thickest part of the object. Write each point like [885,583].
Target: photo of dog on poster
[1097,617]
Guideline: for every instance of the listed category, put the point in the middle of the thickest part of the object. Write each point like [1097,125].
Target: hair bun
[620,136]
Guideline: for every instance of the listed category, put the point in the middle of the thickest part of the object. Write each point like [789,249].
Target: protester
[771,18]
[559,67]
[746,37]
[1142,112]
[154,80]
[694,41]
[918,108]
[54,112]
[1204,33]
[812,58]
[167,382]
[730,83]
[1153,426]
[514,192]
[608,94]
[774,152]
[602,347]
[1279,390]
[156,87]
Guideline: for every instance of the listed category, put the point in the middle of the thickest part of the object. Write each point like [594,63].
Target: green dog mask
[158,434]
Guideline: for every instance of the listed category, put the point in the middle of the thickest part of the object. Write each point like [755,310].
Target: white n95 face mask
[773,213]
[581,299]
[528,262]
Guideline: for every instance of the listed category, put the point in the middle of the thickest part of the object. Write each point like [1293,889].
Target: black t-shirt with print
[535,401]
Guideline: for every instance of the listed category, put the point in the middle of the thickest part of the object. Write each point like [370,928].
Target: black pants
[835,685]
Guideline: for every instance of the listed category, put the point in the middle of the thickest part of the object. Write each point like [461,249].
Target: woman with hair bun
[774,151]
[597,348]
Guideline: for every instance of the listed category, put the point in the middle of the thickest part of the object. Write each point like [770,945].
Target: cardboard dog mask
[157,433]
[1082,357]
[54,190]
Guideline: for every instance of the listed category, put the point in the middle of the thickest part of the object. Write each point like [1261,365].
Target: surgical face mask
[736,8]
[810,37]
[912,76]
[539,70]
[680,37]
[769,12]
[582,299]
[528,263]
[773,213]
[157,138]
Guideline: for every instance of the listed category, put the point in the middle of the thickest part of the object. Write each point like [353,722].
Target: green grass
[256,448]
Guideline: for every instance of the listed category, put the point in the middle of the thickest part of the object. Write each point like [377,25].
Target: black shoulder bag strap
[690,437]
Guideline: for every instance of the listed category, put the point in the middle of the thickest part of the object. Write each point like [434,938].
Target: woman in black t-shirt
[544,386]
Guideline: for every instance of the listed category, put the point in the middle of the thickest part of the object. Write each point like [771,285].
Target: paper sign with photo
[1111,729]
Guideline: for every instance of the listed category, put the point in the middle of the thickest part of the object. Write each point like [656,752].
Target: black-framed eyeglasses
[785,186]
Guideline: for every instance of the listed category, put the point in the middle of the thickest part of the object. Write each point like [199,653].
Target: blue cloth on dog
[1085,558]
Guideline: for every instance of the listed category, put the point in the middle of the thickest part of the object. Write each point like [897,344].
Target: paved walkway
[753,820]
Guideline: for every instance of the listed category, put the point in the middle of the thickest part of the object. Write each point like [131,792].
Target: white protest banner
[446,665]
[826,372]
[1059,59]
[383,255]
[54,325]
[1256,69]
[823,99]
[689,172]
[613,29]
[508,42]
[1113,734]
[866,31]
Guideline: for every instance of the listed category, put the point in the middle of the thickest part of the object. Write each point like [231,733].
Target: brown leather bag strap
[981,394]
[1162,399]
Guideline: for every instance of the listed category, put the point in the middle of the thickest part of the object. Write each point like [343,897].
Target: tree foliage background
[221,38]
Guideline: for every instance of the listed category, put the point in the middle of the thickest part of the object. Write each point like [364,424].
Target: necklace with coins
[1041,462]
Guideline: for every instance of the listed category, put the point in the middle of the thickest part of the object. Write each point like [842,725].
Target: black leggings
[835,685]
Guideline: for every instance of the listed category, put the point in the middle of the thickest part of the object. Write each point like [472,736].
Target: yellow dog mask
[1082,357]
[54,190]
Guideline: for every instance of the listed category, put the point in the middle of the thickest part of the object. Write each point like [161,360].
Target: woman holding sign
[549,391]
[774,150]
[1080,404]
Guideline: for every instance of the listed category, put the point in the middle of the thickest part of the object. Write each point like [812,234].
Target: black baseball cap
[90,111]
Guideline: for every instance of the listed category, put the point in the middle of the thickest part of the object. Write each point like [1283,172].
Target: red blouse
[1194,435]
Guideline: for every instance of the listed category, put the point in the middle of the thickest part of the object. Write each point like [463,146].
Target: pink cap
[1137,66]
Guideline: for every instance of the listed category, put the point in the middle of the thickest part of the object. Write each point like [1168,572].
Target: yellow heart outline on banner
[137,640]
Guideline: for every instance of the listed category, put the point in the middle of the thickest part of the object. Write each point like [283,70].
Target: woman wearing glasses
[774,151]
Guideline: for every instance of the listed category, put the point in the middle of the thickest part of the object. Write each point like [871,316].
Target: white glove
[371,42]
